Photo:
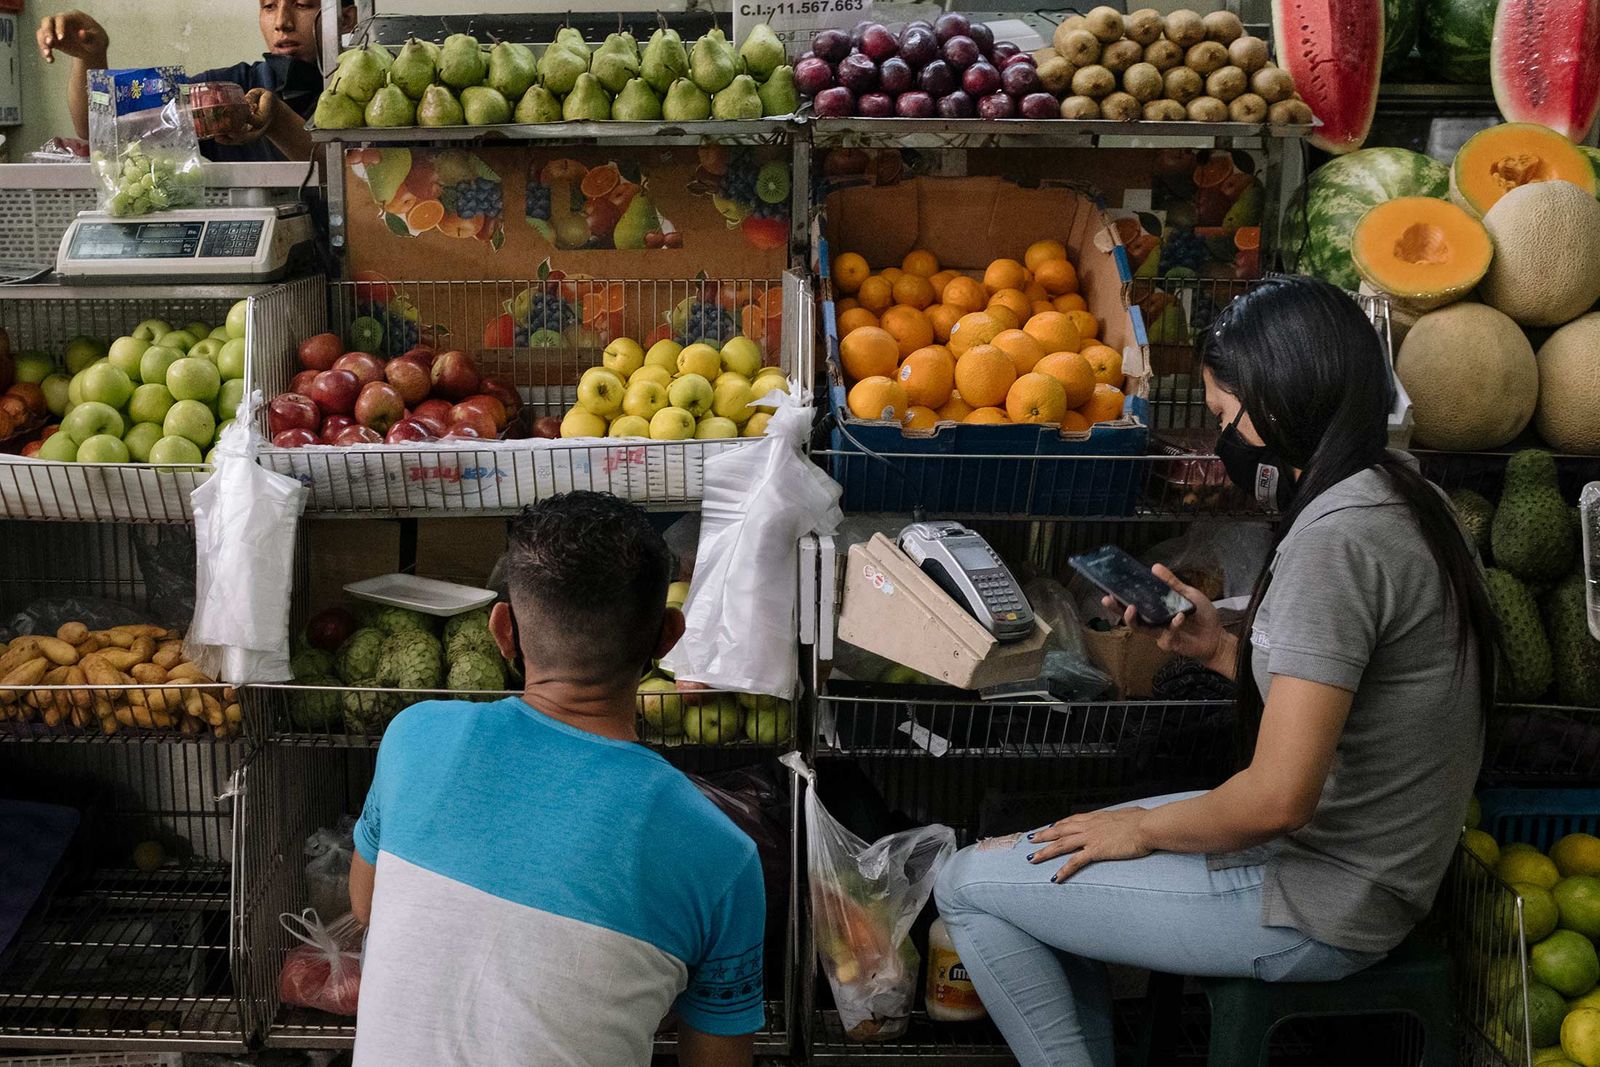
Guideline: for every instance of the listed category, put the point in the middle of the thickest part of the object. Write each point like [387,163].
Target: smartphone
[1125,578]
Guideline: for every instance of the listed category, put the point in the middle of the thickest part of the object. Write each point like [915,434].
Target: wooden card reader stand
[893,609]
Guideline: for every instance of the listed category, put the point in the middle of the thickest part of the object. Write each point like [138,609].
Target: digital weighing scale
[211,244]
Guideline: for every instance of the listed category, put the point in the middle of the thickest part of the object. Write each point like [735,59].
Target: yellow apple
[692,393]
[769,383]
[741,355]
[644,399]
[629,426]
[651,372]
[580,422]
[700,359]
[728,376]
[757,426]
[623,356]
[731,400]
[672,424]
[664,354]
[662,708]
[716,426]
[600,392]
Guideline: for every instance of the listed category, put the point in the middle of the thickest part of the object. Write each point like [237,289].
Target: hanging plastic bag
[245,521]
[324,970]
[760,499]
[142,142]
[864,900]
[328,854]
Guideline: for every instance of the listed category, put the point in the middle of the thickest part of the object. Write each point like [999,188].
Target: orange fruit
[854,319]
[876,398]
[977,328]
[940,280]
[955,409]
[1106,362]
[1070,302]
[1104,406]
[1074,374]
[909,326]
[1036,398]
[1043,252]
[1074,422]
[965,294]
[921,262]
[1088,326]
[1023,350]
[990,416]
[876,294]
[984,375]
[841,306]
[928,375]
[1016,300]
[891,274]
[849,271]
[1055,331]
[918,417]
[915,290]
[1008,319]
[1035,292]
[869,351]
[1005,274]
[1057,277]
[943,318]
[1041,306]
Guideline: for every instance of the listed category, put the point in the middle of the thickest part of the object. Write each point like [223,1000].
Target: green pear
[390,107]
[685,102]
[461,62]
[665,60]
[484,106]
[762,52]
[738,101]
[440,107]
[638,220]
[433,51]
[711,63]
[412,71]
[560,66]
[778,93]
[358,76]
[615,61]
[512,68]
[573,39]
[636,103]
[587,102]
[382,54]
[335,111]
[538,104]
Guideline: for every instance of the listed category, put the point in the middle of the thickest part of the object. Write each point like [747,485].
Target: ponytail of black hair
[1311,372]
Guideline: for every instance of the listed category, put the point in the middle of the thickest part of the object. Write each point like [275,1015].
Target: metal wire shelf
[1489,951]
[722,131]
[1543,744]
[127,712]
[1031,133]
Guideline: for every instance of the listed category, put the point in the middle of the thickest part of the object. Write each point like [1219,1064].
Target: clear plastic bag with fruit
[324,970]
[142,141]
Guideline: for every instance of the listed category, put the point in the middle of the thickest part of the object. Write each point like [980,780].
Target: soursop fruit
[1532,534]
[1526,671]
[357,659]
[310,662]
[410,660]
[1573,649]
[316,712]
[474,670]
[368,712]
[1476,515]
[469,633]
[398,620]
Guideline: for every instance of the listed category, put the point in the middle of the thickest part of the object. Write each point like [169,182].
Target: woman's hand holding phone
[1197,634]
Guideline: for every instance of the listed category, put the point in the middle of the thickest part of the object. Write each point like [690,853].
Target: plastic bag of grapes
[142,141]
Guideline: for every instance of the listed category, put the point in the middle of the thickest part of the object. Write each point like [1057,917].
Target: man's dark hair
[588,577]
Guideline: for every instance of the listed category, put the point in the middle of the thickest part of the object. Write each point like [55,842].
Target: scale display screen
[166,240]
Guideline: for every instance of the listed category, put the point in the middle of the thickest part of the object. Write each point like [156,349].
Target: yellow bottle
[950,997]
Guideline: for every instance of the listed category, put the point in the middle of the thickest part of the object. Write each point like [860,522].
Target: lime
[1528,866]
[1540,911]
[1517,846]
[1577,854]
[1580,1037]
[1546,1009]
[149,856]
[1482,846]
[1578,898]
[1474,814]
[1566,962]
[1553,1056]
[1590,999]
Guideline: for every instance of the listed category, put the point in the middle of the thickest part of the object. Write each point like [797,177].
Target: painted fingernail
[1030,836]
[1030,857]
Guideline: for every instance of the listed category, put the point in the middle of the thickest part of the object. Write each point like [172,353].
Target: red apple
[548,427]
[484,403]
[332,425]
[320,352]
[290,411]
[465,431]
[409,378]
[408,430]
[357,435]
[455,376]
[366,368]
[379,406]
[434,414]
[506,394]
[301,383]
[422,355]
[46,433]
[479,420]
[32,448]
[335,391]
[295,438]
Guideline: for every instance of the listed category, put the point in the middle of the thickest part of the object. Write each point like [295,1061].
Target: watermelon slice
[1334,50]
[1545,63]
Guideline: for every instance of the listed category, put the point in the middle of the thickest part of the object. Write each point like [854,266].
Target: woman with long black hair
[1363,688]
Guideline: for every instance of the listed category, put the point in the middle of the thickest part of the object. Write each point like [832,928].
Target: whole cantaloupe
[1472,378]
[1546,267]
[1568,415]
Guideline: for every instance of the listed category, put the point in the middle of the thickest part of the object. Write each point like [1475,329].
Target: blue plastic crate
[1539,817]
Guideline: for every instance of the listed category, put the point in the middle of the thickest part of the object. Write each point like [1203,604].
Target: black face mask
[1255,469]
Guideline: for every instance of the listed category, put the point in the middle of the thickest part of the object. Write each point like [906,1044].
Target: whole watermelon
[1456,35]
[1323,214]
[1401,20]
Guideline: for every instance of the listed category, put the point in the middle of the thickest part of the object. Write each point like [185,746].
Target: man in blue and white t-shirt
[540,887]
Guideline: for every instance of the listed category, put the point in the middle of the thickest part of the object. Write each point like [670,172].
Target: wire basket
[97,1059]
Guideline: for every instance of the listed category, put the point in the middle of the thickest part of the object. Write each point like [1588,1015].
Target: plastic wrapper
[759,500]
[60,150]
[142,141]
[49,614]
[328,854]
[1068,673]
[324,970]
[1589,519]
[218,108]
[864,900]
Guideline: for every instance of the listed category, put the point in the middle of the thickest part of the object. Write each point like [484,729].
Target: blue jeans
[1037,951]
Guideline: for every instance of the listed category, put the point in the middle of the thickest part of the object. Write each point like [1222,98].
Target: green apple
[150,403]
[220,333]
[198,328]
[729,376]
[194,379]
[89,419]
[629,426]
[644,399]
[34,367]
[222,428]
[768,383]
[206,348]
[229,397]
[103,383]
[75,389]
[236,319]
[664,354]
[57,389]
[716,721]
[581,422]
[59,448]
[741,355]
[714,427]
[125,354]
[692,393]
[81,352]
[155,363]
[102,448]
[172,449]
[700,358]
[151,329]
[229,360]
[661,707]
[731,400]
[140,439]
[767,723]
[672,424]
[182,340]
[651,373]
[190,419]
[600,392]
[677,593]
[757,426]
[623,356]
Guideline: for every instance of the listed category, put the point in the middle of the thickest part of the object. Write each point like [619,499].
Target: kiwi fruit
[1080,48]
[1080,107]
[1206,57]
[1247,107]
[1121,106]
[1207,109]
[1272,84]
[1223,27]
[1164,111]
[1055,74]
[1142,81]
[1105,23]
[1185,29]
[1183,85]
[1163,54]
[1118,56]
[1226,83]
[1144,26]
[1093,81]
[1070,25]
[1044,54]
[1289,113]
[1249,54]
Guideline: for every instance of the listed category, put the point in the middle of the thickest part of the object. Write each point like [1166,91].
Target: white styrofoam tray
[427,595]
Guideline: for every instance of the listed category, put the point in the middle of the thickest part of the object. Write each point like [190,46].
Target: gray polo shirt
[1357,602]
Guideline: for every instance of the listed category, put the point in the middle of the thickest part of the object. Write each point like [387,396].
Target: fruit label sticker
[880,581]
[796,21]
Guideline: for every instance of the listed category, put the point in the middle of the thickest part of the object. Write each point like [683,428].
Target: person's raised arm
[696,1049]
[363,876]
[75,34]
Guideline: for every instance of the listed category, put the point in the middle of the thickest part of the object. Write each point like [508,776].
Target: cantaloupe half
[1423,252]
[1513,154]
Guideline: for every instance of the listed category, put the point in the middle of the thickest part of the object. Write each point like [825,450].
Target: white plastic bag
[759,500]
[245,520]
[328,854]
[324,970]
[864,900]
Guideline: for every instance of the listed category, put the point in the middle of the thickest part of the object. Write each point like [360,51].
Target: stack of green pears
[462,83]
